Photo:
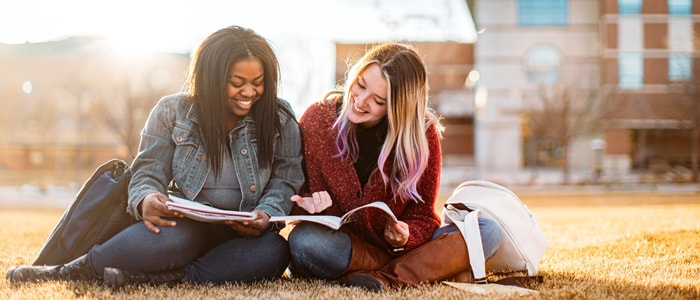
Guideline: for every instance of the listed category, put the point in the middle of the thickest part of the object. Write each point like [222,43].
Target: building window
[543,12]
[679,7]
[630,70]
[679,67]
[629,7]
[542,64]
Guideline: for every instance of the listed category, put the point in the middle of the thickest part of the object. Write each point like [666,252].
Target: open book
[492,290]
[205,213]
[334,222]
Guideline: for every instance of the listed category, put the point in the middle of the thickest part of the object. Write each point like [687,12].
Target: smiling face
[368,97]
[245,86]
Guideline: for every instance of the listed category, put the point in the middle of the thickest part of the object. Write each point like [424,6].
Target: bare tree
[128,118]
[561,112]
[125,100]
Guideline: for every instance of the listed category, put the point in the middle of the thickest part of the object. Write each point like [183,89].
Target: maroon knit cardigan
[337,176]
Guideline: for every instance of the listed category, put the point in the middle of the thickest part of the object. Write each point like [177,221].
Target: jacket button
[252,188]
[244,151]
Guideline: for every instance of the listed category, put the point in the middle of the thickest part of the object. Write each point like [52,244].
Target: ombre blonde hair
[408,117]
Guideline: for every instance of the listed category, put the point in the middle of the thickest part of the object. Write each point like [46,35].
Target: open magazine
[334,222]
[205,213]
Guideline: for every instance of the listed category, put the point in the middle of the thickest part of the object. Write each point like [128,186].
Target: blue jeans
[208,252]
[491,235]
[318,251]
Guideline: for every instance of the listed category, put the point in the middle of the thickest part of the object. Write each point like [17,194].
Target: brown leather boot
[78,269]
[440,259]
[365,257]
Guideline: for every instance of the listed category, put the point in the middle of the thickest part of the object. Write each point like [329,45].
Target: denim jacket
[171,159]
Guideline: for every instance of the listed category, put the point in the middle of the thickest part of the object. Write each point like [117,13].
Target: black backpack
[97,213]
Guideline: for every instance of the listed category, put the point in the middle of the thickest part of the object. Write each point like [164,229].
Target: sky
[175,25]
[301,31]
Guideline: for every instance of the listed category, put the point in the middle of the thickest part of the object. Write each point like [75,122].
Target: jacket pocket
[186,146]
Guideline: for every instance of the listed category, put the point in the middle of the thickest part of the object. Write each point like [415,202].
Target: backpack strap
[468,224]
[474,246]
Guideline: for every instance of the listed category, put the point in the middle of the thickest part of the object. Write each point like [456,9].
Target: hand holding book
[205,213]
[200,212]
[335,222]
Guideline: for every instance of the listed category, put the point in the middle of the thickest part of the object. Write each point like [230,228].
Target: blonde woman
[378,140]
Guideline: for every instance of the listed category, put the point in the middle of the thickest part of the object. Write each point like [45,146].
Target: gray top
[224,192]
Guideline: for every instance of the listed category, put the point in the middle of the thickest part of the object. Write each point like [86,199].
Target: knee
[491,236]
[313,242]
[303,236]
[301,242]
[276,246]
[490,229]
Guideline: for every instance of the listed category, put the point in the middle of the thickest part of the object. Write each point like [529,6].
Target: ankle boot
[78,269]
[442,258]
[116,278]
[365,257]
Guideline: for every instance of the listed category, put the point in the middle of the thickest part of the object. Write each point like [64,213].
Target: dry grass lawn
[610,246]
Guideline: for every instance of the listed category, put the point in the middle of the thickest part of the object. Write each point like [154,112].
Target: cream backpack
[517,259]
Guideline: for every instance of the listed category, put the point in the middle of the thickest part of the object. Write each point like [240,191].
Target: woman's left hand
[251,228]
[318,202]
[396,233]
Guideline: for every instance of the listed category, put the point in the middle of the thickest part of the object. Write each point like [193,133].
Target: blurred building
[650,60]
[617,79]
[72,104]
[588,90]
[76,103]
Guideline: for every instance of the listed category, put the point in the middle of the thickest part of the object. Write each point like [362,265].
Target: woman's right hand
[153,209]
[318,202]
